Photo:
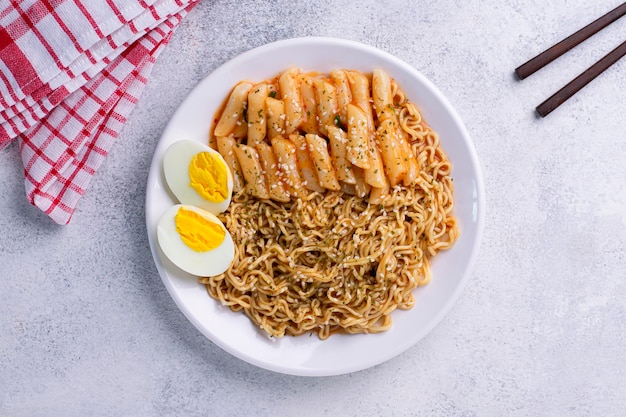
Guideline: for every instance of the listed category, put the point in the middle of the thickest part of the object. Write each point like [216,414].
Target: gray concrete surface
[88,329]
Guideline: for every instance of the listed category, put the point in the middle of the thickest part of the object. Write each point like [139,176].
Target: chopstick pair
[565,45]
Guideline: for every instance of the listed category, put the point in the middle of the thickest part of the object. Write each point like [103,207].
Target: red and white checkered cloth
[71,71]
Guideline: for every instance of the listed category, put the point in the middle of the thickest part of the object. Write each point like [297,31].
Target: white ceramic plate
[307,355]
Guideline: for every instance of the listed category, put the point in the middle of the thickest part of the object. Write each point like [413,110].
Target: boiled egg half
[198,175]
[195,240]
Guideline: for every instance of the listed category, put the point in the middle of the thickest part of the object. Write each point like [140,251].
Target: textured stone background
[88,329]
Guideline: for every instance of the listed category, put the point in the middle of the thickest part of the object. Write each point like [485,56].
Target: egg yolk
[198,232]
[209,176]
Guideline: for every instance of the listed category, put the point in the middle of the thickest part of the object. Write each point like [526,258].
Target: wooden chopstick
[568,43]
[582,80]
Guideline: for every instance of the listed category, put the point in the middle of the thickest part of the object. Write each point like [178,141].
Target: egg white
[204,264]
[176,162]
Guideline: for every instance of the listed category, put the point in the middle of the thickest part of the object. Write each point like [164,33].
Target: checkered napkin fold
[70,73]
